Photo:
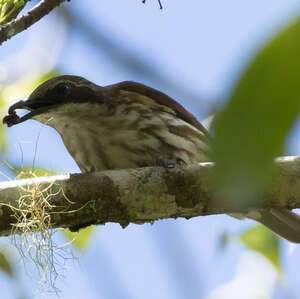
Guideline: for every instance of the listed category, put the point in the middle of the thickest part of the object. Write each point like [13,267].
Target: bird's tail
[283,222]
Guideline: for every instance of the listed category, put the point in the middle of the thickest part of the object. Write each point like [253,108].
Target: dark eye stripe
[62,89]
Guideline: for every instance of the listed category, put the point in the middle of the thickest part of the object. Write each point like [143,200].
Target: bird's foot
[170,163]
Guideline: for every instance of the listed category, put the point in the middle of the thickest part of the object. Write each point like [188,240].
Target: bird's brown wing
[161,99]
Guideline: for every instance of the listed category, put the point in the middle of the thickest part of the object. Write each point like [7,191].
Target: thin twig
[32,16]
[159,3]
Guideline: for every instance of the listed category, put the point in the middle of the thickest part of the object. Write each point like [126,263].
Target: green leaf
[29,172]
[9,9]
[79,239]
[262,240]
[251,130]
[5,264]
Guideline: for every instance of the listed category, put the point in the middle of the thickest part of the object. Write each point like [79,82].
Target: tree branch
[159,3]
[32,16]
[138,195]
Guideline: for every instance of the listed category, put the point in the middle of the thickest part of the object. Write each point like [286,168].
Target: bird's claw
[170,163]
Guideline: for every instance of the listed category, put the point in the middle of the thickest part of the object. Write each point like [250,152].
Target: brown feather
[162,99]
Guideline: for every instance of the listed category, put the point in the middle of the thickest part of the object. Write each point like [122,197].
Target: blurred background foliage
[176,51]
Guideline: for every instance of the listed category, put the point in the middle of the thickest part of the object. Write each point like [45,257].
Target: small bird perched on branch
[127,125]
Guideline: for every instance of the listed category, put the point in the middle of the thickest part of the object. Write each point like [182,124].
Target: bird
[129,125]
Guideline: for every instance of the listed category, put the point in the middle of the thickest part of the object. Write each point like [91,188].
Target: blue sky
[197,49]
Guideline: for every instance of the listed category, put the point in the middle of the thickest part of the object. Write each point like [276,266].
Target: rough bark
[139,195]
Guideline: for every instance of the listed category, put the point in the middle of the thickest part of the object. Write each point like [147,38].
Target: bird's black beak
[35,106]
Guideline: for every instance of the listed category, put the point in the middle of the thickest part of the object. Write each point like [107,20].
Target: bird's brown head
[54,93]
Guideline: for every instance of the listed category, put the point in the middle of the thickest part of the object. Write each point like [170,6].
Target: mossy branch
[29,18]
[134,196]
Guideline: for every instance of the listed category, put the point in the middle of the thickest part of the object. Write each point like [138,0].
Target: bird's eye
[62,89]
